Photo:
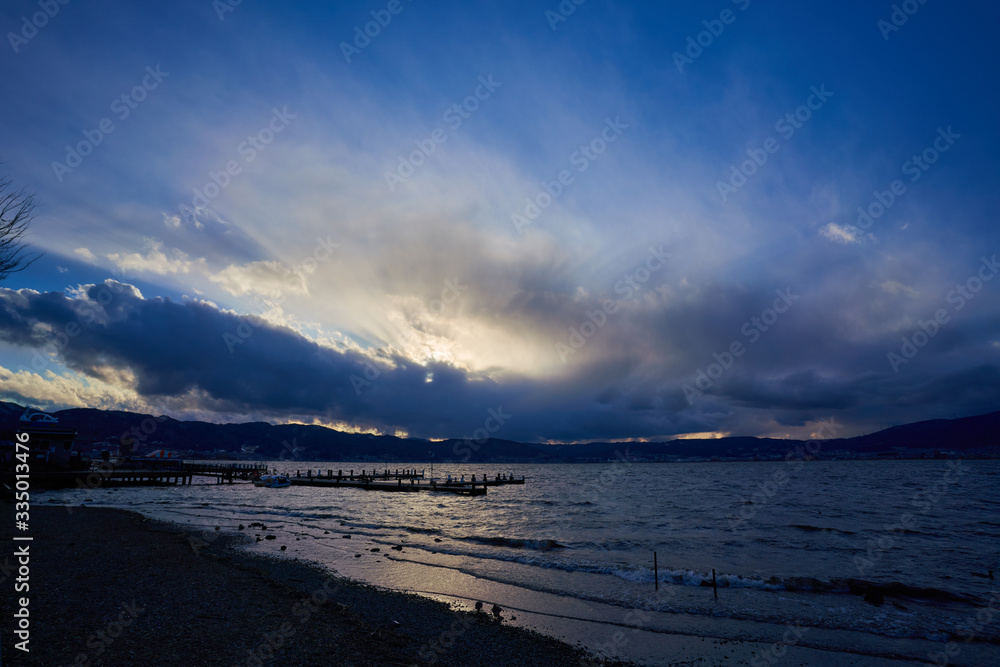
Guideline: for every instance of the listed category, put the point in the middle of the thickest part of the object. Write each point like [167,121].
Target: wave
[849,586]
[515,543]
[817,529]
[792,584]
[685,577]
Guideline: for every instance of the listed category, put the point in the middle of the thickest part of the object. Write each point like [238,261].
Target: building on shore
[50,444]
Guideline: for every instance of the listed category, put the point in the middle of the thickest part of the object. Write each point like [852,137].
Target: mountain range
[139,434]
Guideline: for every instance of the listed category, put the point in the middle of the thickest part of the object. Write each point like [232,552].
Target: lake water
[793,545]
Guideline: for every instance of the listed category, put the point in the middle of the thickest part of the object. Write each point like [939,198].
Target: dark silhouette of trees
[17,208]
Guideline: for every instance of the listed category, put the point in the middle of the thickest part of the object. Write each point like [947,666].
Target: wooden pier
[225,472]
[400,481]
[377,484]
[385,474]
[143,472]
[168,472]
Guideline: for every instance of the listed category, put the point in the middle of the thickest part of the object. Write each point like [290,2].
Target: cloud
[897,288]
[180,352]
[210,234]
[68,389]
[86,255]
[266,278]
[192,357]
[155,260]
[848,234]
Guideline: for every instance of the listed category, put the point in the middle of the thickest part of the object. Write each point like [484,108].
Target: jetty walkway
[401,481]
[166,472]
[144,472]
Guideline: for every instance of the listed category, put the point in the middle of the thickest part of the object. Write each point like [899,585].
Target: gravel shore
[108,587]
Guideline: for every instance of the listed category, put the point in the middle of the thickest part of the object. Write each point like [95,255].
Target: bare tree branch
[17,208]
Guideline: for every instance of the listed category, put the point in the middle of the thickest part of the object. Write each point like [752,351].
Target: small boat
[38,417]
[279,482]
[262,480]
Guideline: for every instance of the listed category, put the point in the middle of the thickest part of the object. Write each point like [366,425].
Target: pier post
[656,572]
[715,586]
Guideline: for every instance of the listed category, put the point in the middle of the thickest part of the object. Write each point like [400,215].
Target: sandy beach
[109,587]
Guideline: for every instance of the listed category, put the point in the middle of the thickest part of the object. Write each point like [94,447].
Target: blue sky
[378,259]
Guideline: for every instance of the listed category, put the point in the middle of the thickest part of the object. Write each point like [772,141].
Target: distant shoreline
[128,433]
[514,464]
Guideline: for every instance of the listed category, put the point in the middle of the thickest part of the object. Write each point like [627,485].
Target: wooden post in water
[656,572]
[715,586]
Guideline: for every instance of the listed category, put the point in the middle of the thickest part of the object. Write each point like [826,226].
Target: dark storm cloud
[194,356]
[235,364]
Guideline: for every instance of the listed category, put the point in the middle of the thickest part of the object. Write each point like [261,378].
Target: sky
[559,222]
